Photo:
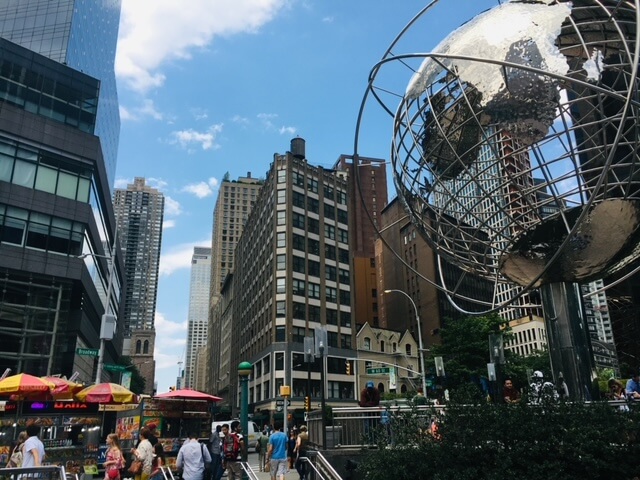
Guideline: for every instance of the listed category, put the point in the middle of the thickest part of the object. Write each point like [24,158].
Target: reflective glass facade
[81,34]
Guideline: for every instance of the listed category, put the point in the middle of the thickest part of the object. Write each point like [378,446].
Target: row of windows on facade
[334,339]
[303,311]
[41,170]
[39,231]
[312,205]
[336,390]
[312,185]
[309,266]
[312,225]
[142,348]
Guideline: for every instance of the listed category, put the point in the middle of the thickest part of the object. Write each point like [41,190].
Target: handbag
[136,467]
[267,466]
[113,473]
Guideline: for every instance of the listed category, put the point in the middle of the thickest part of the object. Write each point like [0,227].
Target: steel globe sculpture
[515,147]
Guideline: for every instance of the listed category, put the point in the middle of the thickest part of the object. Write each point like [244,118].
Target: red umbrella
[188,394]
[63,386]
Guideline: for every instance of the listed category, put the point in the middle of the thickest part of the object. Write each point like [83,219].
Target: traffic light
[307,403]
[348,366]
[171,389]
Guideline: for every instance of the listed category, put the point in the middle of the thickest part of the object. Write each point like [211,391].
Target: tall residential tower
[198,320]
[139,211]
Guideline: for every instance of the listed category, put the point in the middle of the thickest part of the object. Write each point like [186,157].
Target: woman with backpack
[15,461]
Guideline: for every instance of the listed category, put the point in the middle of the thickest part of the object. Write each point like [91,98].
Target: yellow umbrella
[106,393]
[25,384]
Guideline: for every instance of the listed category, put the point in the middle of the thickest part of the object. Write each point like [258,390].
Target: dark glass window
[281,333]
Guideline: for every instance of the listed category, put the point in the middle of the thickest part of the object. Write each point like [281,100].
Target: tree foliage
[138,382]
[465,350]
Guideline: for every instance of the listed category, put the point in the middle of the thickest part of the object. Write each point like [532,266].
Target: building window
[330,232]
[298,220]
[281,310]
[330,252]
[331,294]
[332,317]
[330,272]
[329,212]
[298,287]
[382,346]
[313,205]
[299,310]
[145,348]
[281,285]
[345,297]
[282,176]
[314,313]
[313,225]
[298,242]
[312,185]
[297,199]
[342,197]
[281,333]
[314,290]
[138,346]
[342,216]
[366,343]
[314,268]
[298,264]
[346,341]
[282,197]
[343,256]
[281,262]
[408,348]
[281,240]
[297,334]
[279,360]
[313,246]
[344,276]
[345,319]
[343,235]
[281,217]
[332,339]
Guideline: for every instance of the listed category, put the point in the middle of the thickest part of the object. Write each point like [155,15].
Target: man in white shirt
[33,449]
[192,459]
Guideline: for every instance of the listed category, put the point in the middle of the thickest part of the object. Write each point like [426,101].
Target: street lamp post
[104,334]
[244,370]
[322,398]
[420,345]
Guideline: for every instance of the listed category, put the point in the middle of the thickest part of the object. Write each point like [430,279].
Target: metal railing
[48,472]
[249,471]
[352,427]
[320,467]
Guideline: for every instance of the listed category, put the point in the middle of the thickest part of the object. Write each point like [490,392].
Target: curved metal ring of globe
[516,142]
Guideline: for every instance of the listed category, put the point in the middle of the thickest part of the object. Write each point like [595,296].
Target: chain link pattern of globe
[515,144]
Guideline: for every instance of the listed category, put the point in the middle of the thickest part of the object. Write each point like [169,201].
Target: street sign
[379,370]
[114,368]
[89,352]
[280,403]
[279,408]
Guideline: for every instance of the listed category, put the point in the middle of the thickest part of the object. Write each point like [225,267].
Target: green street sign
[109,367]
[378,371]
[89,352]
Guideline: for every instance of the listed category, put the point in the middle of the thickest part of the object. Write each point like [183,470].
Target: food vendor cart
[69,430]
[173,418]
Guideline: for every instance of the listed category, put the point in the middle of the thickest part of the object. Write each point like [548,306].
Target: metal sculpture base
[568,338]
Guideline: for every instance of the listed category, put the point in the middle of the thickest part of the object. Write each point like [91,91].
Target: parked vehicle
[253,434]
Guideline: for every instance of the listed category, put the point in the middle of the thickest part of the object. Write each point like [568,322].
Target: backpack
[231,447]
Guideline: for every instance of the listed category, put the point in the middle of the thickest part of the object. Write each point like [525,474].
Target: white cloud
[179,257]
[170,337]
[242,121]
[154,33]
[157,183]
[202,189]
[189,137]
[287,130]
[122,182]
[168,224]
[171,206]
[269,120]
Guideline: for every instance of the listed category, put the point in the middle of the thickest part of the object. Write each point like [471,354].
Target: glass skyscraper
[81,34]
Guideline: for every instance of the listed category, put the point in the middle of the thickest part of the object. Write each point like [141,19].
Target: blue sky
[209,87]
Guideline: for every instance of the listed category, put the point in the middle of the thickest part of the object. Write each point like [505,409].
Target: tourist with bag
[141,466]
[114,460]
[15,461]
[194,459]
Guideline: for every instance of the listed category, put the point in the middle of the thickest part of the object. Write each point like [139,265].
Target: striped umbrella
[106,393]
[24,384]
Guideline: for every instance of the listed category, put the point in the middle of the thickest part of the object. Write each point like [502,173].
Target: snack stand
[173,419]
[70,431]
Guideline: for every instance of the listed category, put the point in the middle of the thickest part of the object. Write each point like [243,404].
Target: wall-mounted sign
[59,407]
